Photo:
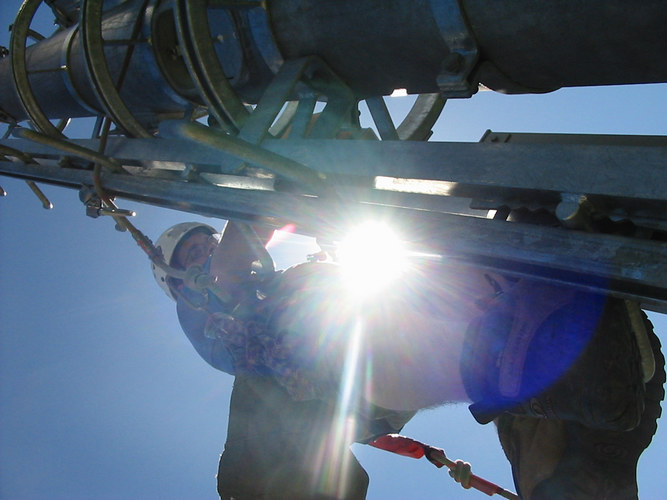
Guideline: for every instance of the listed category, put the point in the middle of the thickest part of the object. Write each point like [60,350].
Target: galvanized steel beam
[628,267]
[616,171]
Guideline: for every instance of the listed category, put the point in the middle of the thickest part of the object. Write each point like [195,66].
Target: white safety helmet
[167,244]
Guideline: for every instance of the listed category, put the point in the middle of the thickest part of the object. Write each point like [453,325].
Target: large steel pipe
[522,45]
[569,43]
[59,78]
[374,46]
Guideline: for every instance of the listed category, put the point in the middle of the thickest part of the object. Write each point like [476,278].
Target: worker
[269,451]
[573,380]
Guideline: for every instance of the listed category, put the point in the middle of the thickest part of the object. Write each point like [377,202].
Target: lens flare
[372,256]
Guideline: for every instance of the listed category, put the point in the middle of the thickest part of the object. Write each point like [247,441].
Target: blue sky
[101,395]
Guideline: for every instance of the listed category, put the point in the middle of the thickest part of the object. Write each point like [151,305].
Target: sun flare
[372,256]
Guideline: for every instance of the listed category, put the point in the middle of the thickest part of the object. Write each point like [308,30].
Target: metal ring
[98,70]
[418,123]
[267,46]
[203,64]
[19,35]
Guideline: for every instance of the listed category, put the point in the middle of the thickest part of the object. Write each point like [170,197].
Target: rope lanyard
[460,471]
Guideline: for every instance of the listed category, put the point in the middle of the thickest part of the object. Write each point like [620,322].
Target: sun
[371,256]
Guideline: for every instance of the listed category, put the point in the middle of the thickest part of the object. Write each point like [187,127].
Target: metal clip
[95,207]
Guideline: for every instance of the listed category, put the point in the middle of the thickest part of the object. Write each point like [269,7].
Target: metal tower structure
[249,110]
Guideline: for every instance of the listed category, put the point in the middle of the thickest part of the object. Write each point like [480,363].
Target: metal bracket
[458,65]
[95,208]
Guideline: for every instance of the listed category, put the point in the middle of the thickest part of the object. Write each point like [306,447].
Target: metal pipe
[542,46]
[68,147]
[374,46]
[46,203]
[58,76]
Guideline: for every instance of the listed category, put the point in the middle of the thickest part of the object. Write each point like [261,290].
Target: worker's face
[196,249]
